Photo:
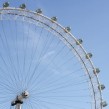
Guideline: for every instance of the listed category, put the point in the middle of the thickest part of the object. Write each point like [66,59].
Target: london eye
[42,65]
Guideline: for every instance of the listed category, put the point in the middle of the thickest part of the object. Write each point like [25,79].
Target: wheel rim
[43,25]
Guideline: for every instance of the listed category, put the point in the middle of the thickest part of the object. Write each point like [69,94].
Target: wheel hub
[19,99]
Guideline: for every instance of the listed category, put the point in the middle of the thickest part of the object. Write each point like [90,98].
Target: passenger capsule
[79,41]
[22,6]
[104,104]
[96,70]
[101,87]
[67,29]
[88,55]
[54,19]
[6,4]
[39,11]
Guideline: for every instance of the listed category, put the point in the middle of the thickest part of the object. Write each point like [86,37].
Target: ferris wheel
[43,66]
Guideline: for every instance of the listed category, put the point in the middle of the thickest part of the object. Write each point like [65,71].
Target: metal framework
[67,38]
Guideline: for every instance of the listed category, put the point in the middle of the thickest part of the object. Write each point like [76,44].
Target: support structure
[18,106]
